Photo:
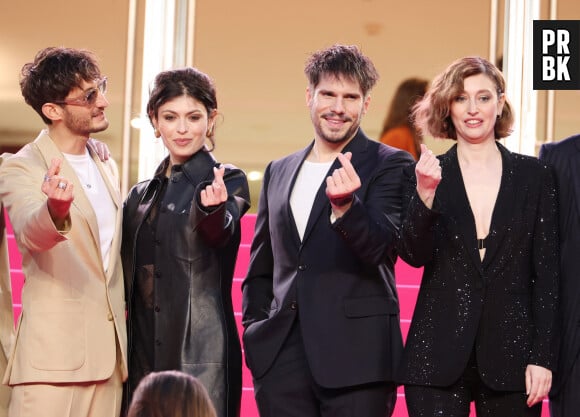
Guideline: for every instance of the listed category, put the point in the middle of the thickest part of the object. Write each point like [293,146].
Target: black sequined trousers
[455,400]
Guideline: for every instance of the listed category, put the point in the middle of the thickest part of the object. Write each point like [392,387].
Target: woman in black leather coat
[181,235]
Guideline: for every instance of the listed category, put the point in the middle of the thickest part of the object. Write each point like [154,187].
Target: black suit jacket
[338,280]
[504,306]
[564,157]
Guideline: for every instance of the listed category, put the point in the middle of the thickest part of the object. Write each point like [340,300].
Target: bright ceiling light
[254,176]
[139,122]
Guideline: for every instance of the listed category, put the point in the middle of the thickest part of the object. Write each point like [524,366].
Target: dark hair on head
[342,61]
[171,394]
[432,115]
[54,72]
[186,81]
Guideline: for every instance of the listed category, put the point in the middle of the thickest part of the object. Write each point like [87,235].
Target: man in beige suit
[6,313]
[64,204]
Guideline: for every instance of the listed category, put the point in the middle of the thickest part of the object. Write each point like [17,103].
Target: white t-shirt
[308,181]
[96,191]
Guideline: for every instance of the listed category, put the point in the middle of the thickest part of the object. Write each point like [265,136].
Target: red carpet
[408,280]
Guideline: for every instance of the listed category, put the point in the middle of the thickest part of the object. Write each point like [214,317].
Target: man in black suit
[320,306]
[564,157]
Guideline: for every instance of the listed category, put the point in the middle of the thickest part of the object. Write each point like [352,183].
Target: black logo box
[571,60]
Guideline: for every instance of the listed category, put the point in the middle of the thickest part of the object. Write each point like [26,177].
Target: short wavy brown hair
[432,115]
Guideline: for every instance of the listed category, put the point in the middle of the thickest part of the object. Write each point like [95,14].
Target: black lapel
[502,218]
[321,206]
[456,204]
[288,179]
[575,171]
[198,168]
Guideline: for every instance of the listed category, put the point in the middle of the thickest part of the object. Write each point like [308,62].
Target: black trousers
[289,390]
[567,402]
[455,400]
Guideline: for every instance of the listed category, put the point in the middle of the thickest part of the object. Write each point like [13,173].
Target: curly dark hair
[54,72]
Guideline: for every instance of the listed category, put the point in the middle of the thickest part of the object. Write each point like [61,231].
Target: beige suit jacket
[73,309]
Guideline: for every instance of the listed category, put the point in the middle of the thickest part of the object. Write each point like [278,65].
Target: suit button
[110,316]
[157,309]
[293,305]
[302,267]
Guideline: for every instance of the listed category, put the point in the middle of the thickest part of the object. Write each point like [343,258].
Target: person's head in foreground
[171,394]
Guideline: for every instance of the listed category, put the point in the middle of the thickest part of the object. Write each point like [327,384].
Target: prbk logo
[556,54]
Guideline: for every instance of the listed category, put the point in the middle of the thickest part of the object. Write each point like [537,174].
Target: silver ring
[46,178]
[61,185]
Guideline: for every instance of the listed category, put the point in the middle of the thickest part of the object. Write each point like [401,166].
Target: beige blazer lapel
[49,151]
[110,175]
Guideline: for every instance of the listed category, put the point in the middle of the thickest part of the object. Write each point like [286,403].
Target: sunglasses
[89,98]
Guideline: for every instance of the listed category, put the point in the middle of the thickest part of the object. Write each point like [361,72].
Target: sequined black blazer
[504,306]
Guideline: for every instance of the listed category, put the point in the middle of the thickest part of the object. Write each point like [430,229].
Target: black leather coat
[195,253]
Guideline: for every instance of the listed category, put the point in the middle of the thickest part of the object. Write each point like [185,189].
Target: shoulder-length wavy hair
[432,114]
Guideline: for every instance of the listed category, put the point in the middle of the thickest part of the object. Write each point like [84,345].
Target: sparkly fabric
[504,306]
[454,401]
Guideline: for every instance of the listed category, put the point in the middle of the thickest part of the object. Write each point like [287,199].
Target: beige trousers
[100,399]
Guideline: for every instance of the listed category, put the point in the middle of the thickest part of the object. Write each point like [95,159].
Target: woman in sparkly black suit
[482,222]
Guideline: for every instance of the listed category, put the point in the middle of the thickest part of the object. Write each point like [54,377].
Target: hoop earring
[209,132]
